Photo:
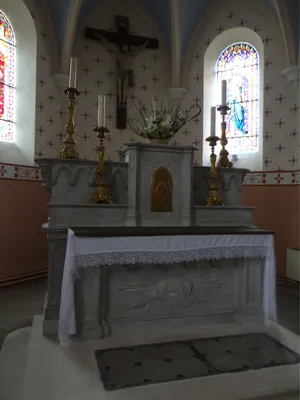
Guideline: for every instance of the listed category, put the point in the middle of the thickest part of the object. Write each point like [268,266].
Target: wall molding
[31,173]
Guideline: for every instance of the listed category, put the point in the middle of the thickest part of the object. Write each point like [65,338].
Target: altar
[119,278]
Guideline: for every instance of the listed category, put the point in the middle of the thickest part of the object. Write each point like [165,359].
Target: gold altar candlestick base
[214,198]
[101,195]
[223,161]
[70,143]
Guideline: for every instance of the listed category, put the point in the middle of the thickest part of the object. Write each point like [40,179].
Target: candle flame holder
[214,198]
[223,161]
[70,143]
[101,195]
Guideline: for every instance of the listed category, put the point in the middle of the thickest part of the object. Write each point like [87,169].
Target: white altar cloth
[97,251]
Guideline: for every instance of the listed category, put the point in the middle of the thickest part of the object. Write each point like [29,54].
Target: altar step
[33,368]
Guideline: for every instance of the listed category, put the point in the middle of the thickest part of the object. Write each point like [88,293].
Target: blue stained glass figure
[239,65]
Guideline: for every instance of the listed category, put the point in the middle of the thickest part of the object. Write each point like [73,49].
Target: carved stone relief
[72,172]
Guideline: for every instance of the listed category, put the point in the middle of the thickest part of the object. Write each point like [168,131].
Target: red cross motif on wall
[278,178]
[220,29]
[280,123]
[279,148]
[295,108]
[98,60]
[280,98]
[40,130]
[85,115]
[267,136]
[196,142]
[267,161]
[207,42]
[86,47]
[86,70]
[2,170]
[268,63]
[293,160]
[39,154]
[85,137]
[51,121]
[109,138]
[267,112]
[110,117]
[50,144]
[41,82]
[85,92]
[266,40]
[185,132]
[98,82]
[268,87]
[293,134]
[61,112]
[60,135]
[230,15]
[40,106]
[197,56]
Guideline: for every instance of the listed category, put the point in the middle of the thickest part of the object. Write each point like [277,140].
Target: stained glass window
[7,79]
[238,64]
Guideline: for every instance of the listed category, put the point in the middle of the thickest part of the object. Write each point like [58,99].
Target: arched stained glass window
[7,79]
[238,64]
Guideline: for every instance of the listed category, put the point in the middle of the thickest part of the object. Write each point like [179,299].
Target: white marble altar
[154,174]
[197,279]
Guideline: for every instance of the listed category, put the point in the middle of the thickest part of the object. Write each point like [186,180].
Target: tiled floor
[19,303]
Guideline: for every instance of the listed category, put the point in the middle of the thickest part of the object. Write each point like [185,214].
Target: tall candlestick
[73,72]
[224,93]
[212,121]
[101,110]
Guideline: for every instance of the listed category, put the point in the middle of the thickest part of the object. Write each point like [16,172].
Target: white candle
[224,93]
[73,72]
[101,110]
[212,121]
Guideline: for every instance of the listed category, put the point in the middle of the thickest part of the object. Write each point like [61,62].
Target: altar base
[53,372]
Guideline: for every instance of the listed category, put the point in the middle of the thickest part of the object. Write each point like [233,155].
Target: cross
[242,22]
[279,148]
[43,57]
[51,98]
[280,123]
[86,70]
[98,60]
[293,160]
[61,112]
[267,161]
[197,78]
[207,43]
[197,56]
[110,95]
[280,98]
[85,115]
[268,87]
[267,112]
[41,82]
[98,82]
[185,132]
[196,142]
[40,106]
[144,66]
[86,47]
[61,135]
[266,40]
[293,134]
[85,92]
[295,108]
[50,120]
[40,130]
[50,144]
[267,136]
[85,137]
[230,15]
[40,153]
[268,63]
[278,178]
[154,79]
[220,29]
[256,29]
[125,46]
[144,87]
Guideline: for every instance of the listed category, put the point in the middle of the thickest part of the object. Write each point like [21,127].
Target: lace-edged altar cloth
[84,252]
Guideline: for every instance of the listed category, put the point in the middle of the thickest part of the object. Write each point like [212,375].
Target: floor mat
[156,363]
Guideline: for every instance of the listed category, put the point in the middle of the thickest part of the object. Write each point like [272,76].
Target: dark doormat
[135,366]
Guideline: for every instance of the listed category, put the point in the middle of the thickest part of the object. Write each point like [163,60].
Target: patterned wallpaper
[96,75]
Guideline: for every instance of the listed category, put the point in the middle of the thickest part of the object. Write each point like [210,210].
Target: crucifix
[125,47]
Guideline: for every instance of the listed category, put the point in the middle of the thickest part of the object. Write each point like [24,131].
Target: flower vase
[157,141]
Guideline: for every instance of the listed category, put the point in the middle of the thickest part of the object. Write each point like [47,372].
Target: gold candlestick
[214,198]
[101,195]
[69,142]
[223,161]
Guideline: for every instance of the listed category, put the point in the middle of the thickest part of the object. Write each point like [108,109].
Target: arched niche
[161,191]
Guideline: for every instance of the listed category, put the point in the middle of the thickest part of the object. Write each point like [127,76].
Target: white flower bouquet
[162,123]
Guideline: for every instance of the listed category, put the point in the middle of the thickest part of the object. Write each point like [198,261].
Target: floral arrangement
[160,123]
